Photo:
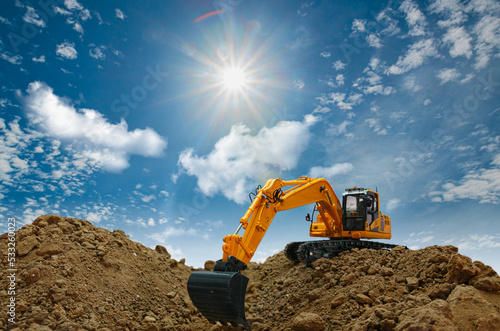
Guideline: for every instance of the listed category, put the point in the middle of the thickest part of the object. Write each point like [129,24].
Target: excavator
[220,294]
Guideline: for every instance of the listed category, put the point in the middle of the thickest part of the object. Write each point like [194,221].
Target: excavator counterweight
[220,294]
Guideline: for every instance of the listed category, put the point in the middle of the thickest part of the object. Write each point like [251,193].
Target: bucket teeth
[219,296]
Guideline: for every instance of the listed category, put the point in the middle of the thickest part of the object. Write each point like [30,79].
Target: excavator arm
[270,200]
[220,294]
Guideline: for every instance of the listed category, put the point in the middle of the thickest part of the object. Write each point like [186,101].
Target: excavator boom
[272,199]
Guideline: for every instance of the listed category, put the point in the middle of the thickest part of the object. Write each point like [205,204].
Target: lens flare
[235,72]
[234,78]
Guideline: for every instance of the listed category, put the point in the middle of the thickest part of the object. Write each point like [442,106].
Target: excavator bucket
[219,296]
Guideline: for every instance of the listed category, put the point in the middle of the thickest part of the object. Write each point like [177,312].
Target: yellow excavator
[220,294]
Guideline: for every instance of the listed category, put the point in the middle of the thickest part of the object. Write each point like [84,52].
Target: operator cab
[360,206]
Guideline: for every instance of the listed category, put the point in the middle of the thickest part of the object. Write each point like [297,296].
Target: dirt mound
[72,275]
[429,289]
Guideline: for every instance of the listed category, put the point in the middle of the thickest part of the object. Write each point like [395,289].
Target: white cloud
[373,85]
[378,89]
[299,84]
[358,25]
[414,17]
[447,75]
[483,6]
[375,64]
[427,102]
[488,40]
[391,24]
[97,53]
[32,17]
[399,115]
[77,27]
[119,14]
[67,50]
[330,172]
[477,241]
[109,144]
[479,184]
[5,21]
[414,57]
[177,231]
[339,99]
[445,6]
[99,18]
[73,5]
[393,204]
[340,79]
[96,212]
[30,162]
[490,144]
[467,78]
[423,237]
[376,126]
[39,59]
[14,59]
[359,28]
[411,84]
[321,109]
[374,41]
[4,103]
[84,15]
[338,65]
[151,222]
[148,198]
[325,54]
[67,72]
[240,159]
[460,42]
[456,35]
[61,11]
[5,168]
[463,148]
[372,82]
[426,239]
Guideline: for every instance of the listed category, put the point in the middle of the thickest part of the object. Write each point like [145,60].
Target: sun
[234,79]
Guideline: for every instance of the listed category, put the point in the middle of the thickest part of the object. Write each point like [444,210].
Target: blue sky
[121,113]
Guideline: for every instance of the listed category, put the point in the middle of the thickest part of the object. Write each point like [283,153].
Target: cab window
[351,203]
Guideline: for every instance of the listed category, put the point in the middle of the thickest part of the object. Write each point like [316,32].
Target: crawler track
[310,251]
[291,250]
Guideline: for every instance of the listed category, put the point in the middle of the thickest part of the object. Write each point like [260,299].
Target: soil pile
[429,289]
[72,275]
